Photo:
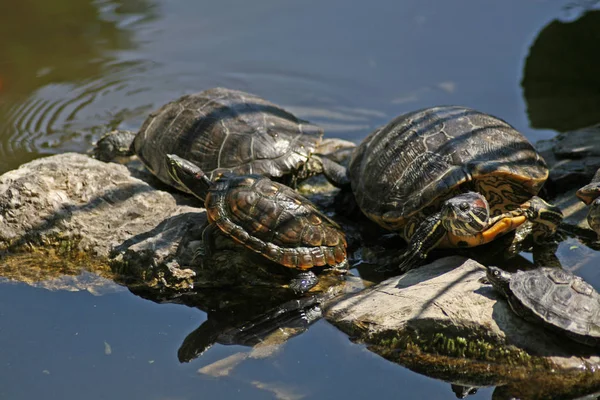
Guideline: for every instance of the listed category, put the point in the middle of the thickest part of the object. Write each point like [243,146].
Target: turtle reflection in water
[450,177]
[227,131]
[264,331]
[553,297]
[267,217]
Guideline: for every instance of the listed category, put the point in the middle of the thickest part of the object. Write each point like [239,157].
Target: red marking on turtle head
[479,203]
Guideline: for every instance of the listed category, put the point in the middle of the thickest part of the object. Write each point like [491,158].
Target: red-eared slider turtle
[223,130]
[450,176]
[590,194]
[553,297]
[267,217]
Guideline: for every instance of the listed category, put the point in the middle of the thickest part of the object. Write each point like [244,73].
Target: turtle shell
[275,221]
[422,158]
[559,299]
[223,130]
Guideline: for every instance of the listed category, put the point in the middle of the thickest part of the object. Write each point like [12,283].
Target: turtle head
[466,214]
[114,145]
[188,175]
[591,191]
[499,279]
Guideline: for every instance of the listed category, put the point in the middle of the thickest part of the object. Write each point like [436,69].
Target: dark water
[72,69]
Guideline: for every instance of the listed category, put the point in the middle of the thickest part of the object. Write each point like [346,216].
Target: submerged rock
[51,271]
[443,321]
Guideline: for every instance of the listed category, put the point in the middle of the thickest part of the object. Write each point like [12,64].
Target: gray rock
[573,158]
[441,320]
[89,208]
[74,206]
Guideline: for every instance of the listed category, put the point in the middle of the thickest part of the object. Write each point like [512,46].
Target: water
[73,69]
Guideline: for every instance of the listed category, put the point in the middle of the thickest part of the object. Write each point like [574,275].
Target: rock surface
[85,206]
[443,315]
[74,206]
[573,158]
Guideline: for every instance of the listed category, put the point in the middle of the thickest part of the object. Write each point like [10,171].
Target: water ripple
[64,117]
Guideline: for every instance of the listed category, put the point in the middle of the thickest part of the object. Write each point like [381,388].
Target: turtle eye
[464,206]
[496,273]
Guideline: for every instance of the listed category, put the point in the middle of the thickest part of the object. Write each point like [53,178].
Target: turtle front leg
[335,173]
[208,241]
[545,218]
[427,236]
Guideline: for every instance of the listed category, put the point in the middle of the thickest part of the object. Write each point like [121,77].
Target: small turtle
[590,194]
[451,177]
[553,297]
[267,217]
[223,130]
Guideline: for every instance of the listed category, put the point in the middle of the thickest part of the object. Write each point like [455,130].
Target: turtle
[450,176]
[553,297]
[268,217]
[590,194]
[225,130]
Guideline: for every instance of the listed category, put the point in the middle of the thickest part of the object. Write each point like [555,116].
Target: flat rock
[442,314]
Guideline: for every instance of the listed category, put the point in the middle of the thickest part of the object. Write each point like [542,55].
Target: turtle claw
[200,253]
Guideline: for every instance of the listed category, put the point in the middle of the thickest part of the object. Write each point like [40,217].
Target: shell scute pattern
[561,299]
[223,130]
[419,159]
[276,221]
[559,276]
[582,287]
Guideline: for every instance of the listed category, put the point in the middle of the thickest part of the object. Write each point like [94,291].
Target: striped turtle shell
[223,130]
[418,160]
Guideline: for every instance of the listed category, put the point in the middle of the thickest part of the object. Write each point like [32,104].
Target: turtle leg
[545,218]
[335,173]
[426,237]
[303,281]
[208,241]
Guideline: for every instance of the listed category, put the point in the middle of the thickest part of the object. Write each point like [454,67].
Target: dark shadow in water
[561,84]
[253,325]
[255,316]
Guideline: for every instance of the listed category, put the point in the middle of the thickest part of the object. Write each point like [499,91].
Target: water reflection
[560,80]
[57,58]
